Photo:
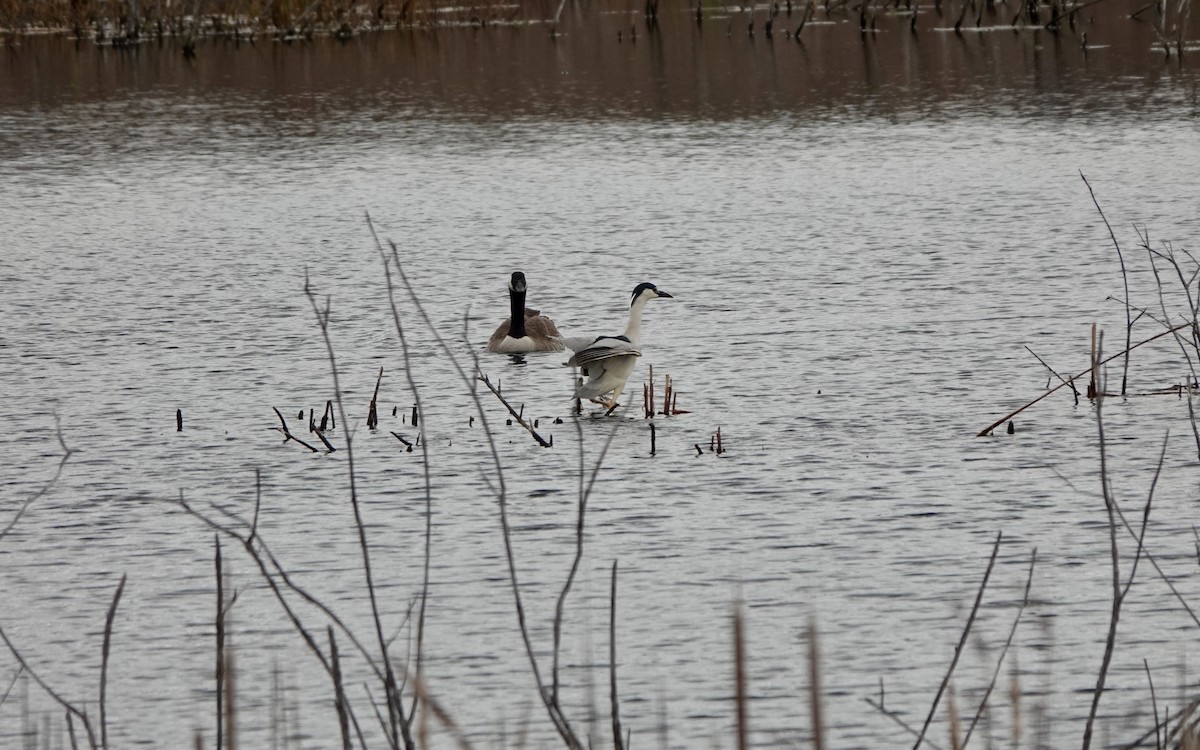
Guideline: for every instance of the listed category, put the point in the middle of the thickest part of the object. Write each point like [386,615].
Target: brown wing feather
[499,335]
[541,327]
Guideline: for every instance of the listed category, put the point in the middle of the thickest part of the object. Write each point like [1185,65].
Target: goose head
[517,282]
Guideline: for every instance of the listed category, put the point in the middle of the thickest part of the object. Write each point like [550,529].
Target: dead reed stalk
[278,580]
[814,687]
[614,703]
[739,679]
[230,702]
[372,412]
[220,645]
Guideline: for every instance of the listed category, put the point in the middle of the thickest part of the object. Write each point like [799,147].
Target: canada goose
[526,330]
[607,361]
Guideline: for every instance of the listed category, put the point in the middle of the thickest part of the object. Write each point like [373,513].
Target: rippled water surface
[862,237]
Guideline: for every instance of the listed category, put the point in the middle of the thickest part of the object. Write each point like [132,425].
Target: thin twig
[1120,257]
[71,710]
[1054,372]
[104,652]
[13,681]
[67,452]
[961,641]
[399,729]
[615,704]
[900,722]
[554,711]
[1003,652]
[418,426]
[1153,705]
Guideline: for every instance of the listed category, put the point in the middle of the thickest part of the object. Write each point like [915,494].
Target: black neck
[516,327]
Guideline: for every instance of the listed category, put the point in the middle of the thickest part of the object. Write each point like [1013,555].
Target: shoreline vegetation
[132,22]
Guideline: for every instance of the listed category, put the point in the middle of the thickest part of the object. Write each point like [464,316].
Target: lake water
[862,235]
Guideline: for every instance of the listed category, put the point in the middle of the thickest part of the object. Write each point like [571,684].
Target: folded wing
[601,348]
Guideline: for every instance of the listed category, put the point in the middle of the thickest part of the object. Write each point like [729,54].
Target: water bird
[607,361]
[526,329]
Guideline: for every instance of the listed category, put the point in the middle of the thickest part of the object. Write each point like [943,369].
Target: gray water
[856,272]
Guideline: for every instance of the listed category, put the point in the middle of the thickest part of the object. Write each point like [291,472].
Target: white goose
[607,361]
[526,330]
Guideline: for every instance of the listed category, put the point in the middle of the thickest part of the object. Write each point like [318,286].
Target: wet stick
[1092,392]
[516,414]
[651,410]
[984,432]
[407,444]
[372,413]
[328,445]
[287,434]
[326,417]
